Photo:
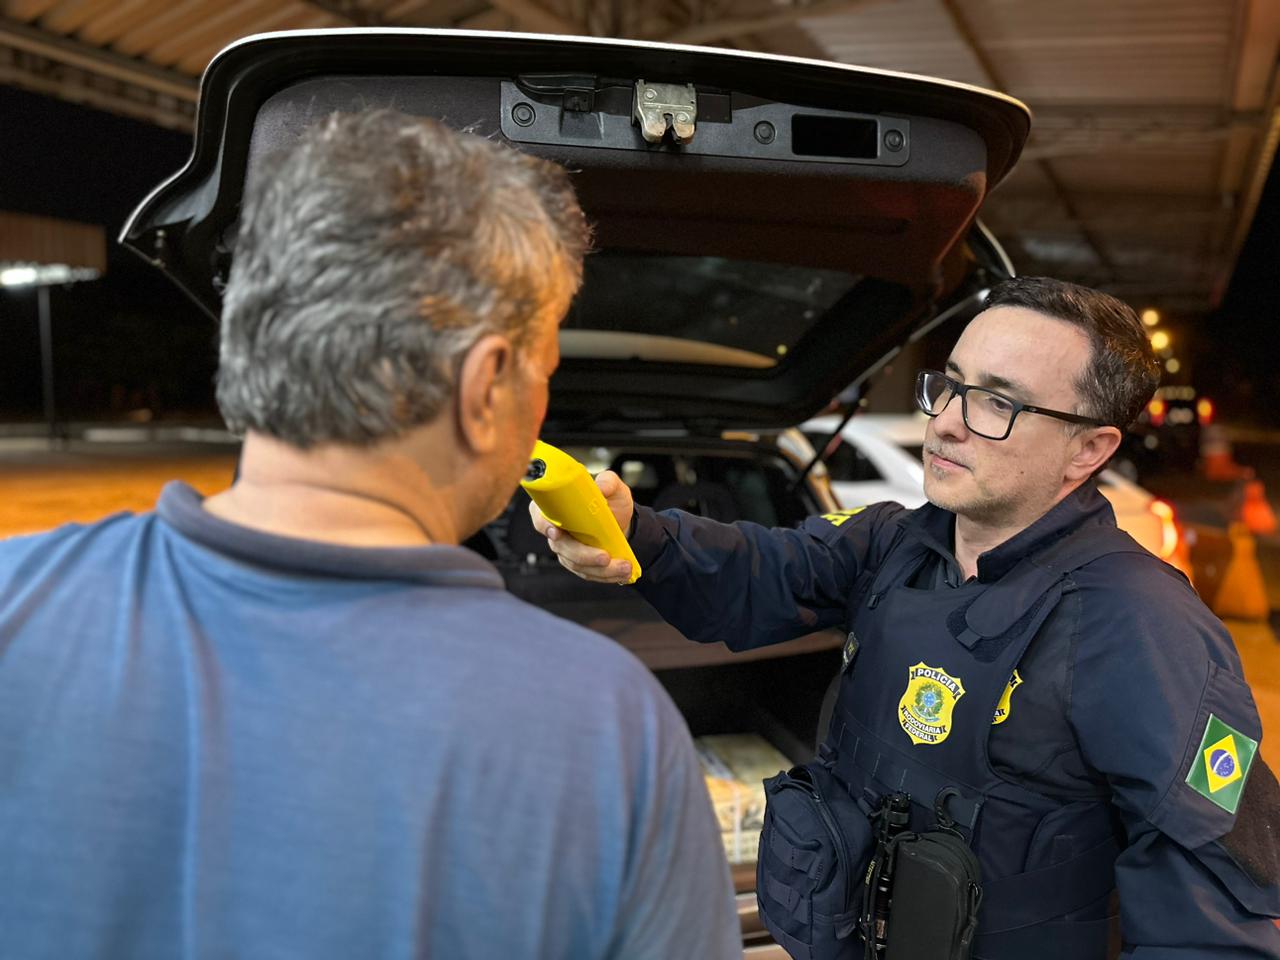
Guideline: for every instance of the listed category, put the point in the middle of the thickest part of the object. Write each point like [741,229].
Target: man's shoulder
[874,521]
[25,552]
[571,684]
[1144,611]
[546,642]
[1129,576]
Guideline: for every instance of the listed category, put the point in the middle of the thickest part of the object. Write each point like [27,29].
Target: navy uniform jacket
[1110,700]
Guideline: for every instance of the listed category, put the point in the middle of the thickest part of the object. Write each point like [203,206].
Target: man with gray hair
[296,718]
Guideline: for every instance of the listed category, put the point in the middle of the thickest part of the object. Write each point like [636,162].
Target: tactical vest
[913,715]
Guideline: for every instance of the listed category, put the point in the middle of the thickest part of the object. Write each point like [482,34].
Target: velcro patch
[1221,764]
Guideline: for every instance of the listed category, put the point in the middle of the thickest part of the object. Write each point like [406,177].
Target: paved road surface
[41,489]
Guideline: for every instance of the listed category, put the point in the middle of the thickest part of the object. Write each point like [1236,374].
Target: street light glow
[1160,340]
[1150,317]
[17,276]
[42,274]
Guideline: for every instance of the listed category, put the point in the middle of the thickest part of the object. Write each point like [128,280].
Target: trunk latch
[663,106]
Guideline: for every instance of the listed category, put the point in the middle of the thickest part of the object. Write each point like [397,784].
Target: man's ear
[485,373]
[1096,445]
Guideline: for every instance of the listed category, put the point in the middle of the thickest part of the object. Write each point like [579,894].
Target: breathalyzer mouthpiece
[537,469]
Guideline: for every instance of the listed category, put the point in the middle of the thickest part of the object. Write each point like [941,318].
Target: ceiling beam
[1135,221]
[724,28]
[1171,114]
[533,16]
[28,9]
[68,17]
[29,71]
[102,63]
[490,19]
[437,13]
[229,22]
[290,16]
[121,19]
[349,10]
[970,40]
[1090,142]
[1260,164]
[1250,85]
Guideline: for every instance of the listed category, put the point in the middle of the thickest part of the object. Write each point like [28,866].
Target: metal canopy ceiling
[1156,120]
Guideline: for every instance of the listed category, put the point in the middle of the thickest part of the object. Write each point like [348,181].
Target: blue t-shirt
[216,742]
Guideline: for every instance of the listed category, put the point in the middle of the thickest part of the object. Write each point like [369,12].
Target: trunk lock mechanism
[663,106]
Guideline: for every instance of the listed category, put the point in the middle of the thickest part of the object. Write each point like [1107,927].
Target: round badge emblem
[1222,763]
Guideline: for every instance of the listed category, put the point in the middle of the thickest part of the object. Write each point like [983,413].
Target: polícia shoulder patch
[1005,704]
[840,516]
[1221,765]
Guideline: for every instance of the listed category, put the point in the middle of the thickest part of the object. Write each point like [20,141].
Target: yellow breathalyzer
[568,497]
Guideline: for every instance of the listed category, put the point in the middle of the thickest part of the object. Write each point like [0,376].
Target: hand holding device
[569,499]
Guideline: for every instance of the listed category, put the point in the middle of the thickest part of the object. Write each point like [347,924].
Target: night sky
[1242,335]
[131,340]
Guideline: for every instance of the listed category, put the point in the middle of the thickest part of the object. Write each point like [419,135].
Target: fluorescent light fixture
[17,276]
[42,274]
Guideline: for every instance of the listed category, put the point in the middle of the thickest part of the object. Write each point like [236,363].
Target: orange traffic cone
[1217,459]
[1242,594]
[1255,511]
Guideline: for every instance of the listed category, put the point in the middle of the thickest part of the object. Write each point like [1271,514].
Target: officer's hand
[591,563]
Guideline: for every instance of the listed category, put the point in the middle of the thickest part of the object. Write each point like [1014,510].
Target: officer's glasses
[986,413]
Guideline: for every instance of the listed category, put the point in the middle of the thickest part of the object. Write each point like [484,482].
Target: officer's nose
[950,424]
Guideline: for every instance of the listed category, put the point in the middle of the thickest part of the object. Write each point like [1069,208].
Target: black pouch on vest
[937,888]
[814,840]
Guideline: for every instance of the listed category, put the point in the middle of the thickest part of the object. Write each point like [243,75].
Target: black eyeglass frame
[961,390]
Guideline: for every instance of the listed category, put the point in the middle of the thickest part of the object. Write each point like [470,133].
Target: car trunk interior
[775,693]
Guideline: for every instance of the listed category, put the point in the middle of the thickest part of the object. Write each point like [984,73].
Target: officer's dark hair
[371,256]
[1122,373]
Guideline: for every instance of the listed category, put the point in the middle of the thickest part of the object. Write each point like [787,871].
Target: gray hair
[1122,372]
[370,258]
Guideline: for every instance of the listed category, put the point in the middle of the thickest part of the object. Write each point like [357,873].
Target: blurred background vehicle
[1167,434]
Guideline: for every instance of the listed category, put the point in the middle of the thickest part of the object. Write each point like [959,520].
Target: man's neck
[335,494]
[974,537]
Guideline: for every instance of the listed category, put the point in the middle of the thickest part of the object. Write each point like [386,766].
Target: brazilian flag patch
[1221,764]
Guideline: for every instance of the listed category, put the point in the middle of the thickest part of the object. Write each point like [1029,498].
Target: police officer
[1015,664]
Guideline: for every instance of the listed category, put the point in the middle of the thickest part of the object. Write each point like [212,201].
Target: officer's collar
[934,527]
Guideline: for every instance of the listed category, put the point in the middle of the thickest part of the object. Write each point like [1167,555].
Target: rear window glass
[763,309]
[724,488]
[845,462]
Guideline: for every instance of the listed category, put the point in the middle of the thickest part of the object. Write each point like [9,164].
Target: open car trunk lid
[811,215]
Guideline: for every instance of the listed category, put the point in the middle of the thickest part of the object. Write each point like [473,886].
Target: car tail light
[1156,411]
[1168,528]
[1204,410]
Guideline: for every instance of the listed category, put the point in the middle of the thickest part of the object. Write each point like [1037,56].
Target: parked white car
[879,457]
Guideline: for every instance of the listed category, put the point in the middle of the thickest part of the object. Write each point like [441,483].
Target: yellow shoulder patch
[840,516]
[1004,706]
